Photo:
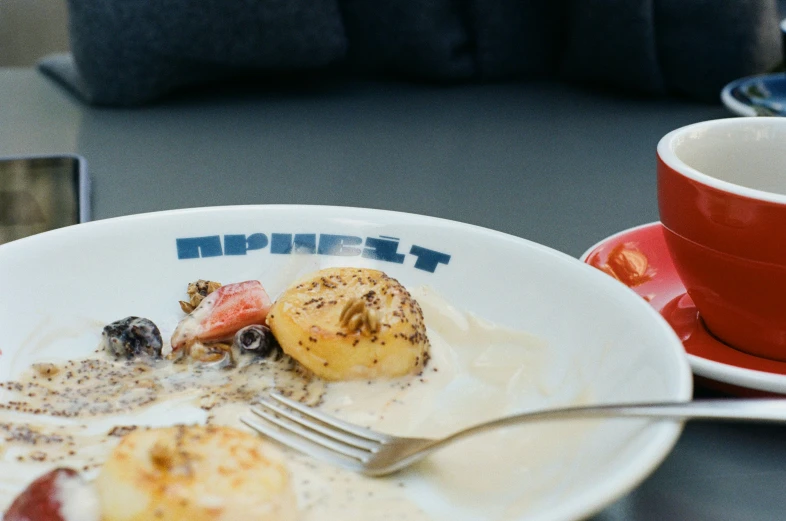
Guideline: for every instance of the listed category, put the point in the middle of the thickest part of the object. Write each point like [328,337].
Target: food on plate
[349,324]
[197,291]
[132,337]
[256,339]
[335,324]
[221,314]
[198,473]
[222,323]
[73,413]
[195,473]
[59,495]
[338,323]
[215,355]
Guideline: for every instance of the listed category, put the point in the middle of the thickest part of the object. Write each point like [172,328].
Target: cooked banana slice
[351,323]
[195,473]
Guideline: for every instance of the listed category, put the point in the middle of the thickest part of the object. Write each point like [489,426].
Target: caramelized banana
[195,473]
[351,323]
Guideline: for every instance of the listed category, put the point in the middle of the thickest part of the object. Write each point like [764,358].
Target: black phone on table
[41,193]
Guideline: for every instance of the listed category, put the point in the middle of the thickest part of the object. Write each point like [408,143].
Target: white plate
[602,342]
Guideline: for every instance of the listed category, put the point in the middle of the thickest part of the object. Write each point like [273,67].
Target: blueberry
[256,339]
[132,337]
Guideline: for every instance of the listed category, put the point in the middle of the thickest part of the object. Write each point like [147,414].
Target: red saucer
[638,258]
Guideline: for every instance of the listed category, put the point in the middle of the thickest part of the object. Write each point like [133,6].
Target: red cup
[722,202]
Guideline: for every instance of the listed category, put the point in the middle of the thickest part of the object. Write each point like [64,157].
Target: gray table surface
[555,164]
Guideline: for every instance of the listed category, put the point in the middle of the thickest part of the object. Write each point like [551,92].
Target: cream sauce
[478,371]
[78,499]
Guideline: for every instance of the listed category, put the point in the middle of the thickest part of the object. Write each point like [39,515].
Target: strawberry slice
[235,306]
[223,313]
[40,501]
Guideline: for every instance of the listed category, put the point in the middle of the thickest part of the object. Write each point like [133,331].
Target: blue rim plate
[596,341]
[761,95]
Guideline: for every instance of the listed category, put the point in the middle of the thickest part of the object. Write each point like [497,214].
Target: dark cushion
[126,52]
[132,52]
[703,47]
[687,47]
[425,38]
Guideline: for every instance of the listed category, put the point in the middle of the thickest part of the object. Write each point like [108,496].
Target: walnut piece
[196,292]
[356,316]
[212,352]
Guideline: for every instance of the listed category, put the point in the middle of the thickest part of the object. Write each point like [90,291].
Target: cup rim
[665,150]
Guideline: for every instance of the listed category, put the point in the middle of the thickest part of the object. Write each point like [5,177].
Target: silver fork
[375,454]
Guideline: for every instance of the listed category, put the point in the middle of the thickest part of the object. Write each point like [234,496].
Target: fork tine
[297,429]
[329,420]
[304,446]
[332,432]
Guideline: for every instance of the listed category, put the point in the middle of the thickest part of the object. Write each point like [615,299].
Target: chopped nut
[352,307]
[356,316]
[373,321]
[196,299]
[203,287]
[196,292]
[217,355]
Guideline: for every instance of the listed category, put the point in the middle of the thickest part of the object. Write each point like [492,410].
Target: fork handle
[728,409]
